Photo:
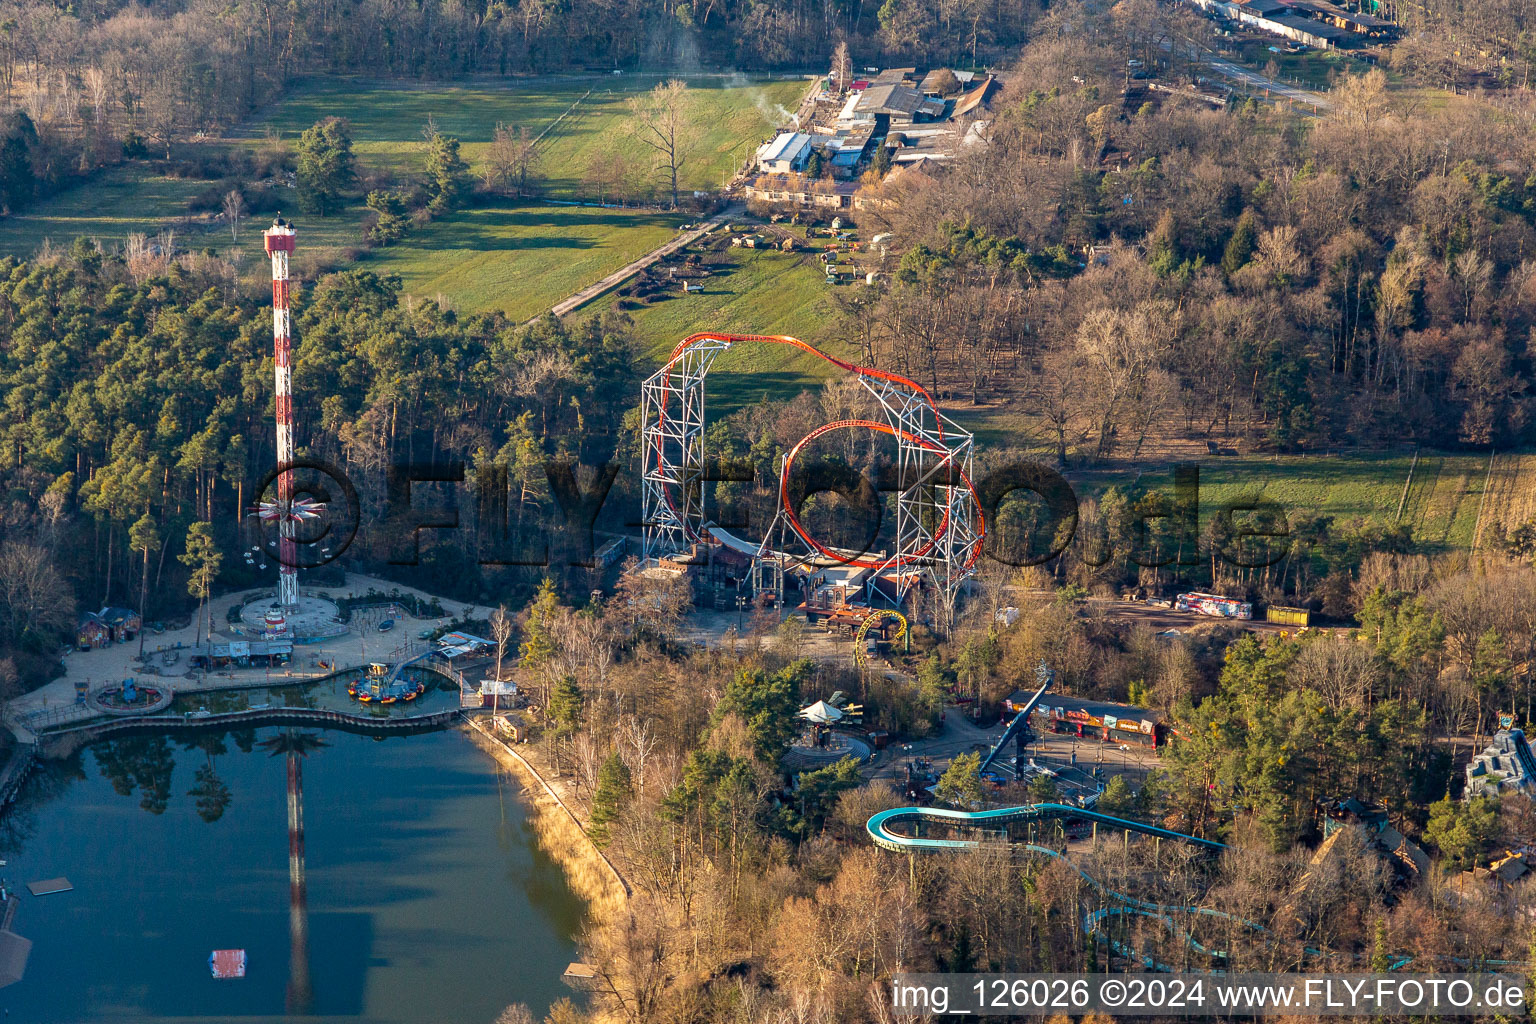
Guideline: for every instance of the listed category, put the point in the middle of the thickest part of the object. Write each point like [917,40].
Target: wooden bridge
[254,717]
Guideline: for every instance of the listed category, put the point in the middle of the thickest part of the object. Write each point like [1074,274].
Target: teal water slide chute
[880,831]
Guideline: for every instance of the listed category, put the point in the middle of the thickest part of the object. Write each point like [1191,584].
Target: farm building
[972,99]
[939,83]
[802,191]
[1314,23]
[787,154]
[898,103]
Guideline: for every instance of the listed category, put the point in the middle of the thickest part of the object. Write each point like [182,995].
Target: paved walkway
[361,642]
[618,277]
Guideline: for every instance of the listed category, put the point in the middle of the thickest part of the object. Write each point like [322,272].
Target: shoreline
[588,871]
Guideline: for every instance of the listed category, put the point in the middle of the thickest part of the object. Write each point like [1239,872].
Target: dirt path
[623,274]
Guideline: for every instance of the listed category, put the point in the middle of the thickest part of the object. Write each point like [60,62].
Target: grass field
[730,118]
[1310,68]
[520,259]
[119,202]
[128,199]
[757,292]
[1450,500]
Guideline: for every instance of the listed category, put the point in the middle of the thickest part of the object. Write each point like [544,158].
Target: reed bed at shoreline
[590,875]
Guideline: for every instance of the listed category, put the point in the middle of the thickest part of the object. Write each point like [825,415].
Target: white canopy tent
[821,713]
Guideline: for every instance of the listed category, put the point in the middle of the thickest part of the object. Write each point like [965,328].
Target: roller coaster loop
[917,425]
[868,624]
[918,556]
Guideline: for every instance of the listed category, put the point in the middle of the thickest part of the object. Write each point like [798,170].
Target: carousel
[378,686]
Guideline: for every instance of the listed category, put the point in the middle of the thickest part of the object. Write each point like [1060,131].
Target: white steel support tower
[279,240]
[672,430]
[938,522]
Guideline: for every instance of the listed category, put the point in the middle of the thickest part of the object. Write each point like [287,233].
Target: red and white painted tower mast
[279,240]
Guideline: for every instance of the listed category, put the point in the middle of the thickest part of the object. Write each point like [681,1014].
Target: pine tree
[325,168]
[1461,831]
[1381,960]
[1117,798]
[1163,246]
[1240,247]
[1042,790]
[565,704]
[538,646]
[144,537]
[203,558]
[447,173]
[961,782]
[18,140]
[612,794]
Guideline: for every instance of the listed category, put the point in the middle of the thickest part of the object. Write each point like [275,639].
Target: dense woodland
[1362,276]
[138,402]
[755,903]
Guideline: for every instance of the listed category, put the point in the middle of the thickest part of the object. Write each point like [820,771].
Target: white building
[786,154]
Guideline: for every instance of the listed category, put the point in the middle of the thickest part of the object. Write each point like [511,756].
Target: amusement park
[837,721]
[863,594]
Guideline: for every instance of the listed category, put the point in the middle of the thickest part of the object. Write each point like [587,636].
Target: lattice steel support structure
[672,440]
[279,239]
[939,528]
[939,524]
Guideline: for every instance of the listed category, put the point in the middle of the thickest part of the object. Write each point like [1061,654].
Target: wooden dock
[17,767]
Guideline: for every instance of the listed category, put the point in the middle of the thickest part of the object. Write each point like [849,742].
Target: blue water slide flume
[880,831]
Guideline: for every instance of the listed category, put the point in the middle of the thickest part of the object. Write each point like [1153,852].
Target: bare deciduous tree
[501,632]
[842,67]
[660,120]
[234,209]
[511,159]
[34,599]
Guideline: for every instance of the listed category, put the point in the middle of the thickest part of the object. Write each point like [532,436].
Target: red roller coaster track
[791,518]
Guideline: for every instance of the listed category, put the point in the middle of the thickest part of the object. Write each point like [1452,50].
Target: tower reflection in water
[296,745]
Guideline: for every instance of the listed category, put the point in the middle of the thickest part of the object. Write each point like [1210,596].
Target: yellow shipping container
[1288,616]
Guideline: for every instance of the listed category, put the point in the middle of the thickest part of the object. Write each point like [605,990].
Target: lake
[425,899]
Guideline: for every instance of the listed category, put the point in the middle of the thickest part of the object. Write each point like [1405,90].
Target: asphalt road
[1253,79]
[1228,70]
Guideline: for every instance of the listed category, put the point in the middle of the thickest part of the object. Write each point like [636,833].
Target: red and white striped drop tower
[279,240]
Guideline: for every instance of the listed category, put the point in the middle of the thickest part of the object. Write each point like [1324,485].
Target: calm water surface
[428,901]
